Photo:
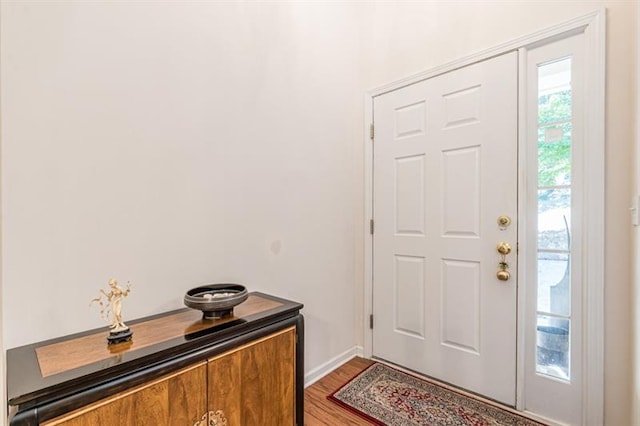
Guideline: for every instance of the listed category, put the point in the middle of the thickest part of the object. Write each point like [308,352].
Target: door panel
[445,168]
[410,195]
[461,305]
[409,295]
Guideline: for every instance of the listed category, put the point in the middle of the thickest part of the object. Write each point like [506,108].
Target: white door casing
[445,161]
[593,27]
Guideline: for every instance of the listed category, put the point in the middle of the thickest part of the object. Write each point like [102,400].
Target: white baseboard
[322,370]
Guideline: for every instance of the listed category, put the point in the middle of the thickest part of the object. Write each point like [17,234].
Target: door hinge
[371,226]
[371,131]
[371,321]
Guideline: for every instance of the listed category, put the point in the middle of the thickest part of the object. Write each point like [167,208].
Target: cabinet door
[255,384]
[178,399]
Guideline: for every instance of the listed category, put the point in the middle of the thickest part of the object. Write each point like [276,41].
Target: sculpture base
[119,336]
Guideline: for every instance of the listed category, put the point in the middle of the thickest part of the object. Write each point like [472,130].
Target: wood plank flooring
[319,411]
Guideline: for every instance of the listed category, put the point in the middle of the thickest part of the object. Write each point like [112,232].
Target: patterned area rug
[386,396]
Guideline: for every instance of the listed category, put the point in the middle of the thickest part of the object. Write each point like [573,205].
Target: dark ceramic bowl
[216,300]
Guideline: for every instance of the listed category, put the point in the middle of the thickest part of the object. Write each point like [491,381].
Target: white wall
[172,144]
[3,397]
[635,252]
[619,162]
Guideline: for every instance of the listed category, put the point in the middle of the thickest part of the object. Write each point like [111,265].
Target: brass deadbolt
[504,221]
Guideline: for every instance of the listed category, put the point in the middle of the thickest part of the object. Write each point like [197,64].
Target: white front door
[445,170]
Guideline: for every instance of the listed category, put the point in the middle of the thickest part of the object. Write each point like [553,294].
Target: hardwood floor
[318,410]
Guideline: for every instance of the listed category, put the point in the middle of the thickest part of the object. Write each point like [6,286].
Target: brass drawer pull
[212,419]
[217,418]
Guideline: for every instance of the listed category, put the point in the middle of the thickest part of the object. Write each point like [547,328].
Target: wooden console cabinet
[179,370]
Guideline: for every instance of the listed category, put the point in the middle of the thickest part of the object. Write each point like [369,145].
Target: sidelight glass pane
[556,106]
[554,283]
[554,154]
[554,91]
[554,123]
[552,346]
[554,219]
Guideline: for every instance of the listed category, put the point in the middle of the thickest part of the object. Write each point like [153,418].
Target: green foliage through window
[554,155]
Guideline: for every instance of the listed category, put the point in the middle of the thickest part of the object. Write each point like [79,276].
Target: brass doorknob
[503,248]
[503,275]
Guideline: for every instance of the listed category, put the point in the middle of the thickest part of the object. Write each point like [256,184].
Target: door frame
[593,26]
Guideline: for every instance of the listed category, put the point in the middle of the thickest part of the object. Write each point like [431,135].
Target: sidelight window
[553,325]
